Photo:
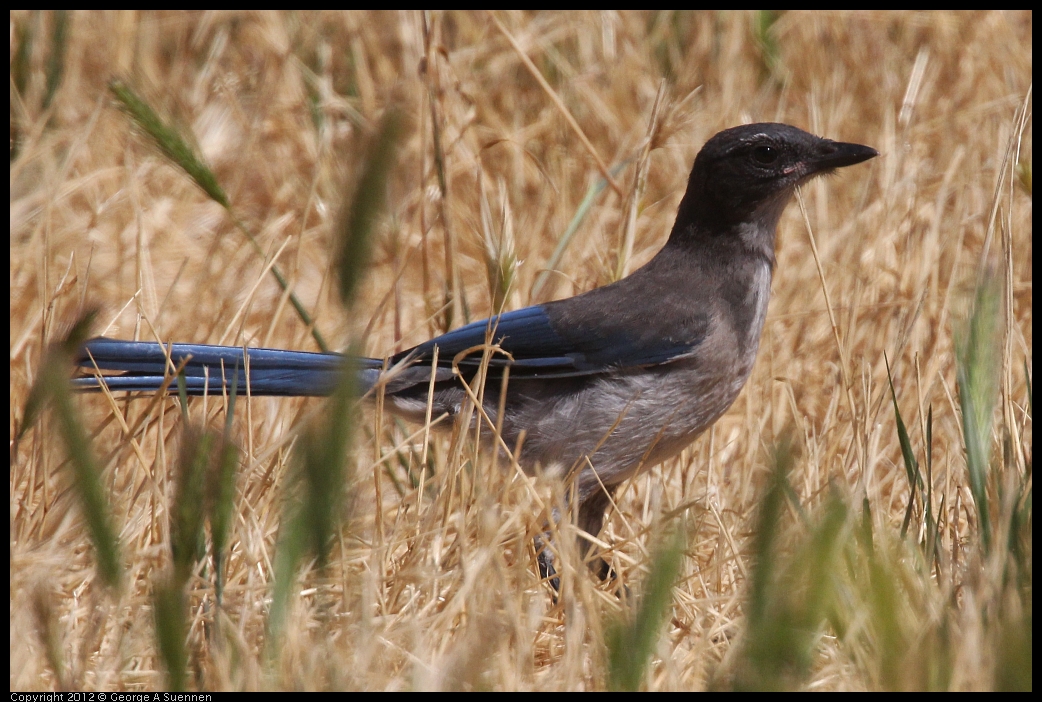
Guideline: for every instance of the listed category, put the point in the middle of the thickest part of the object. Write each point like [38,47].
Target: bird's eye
[765,155]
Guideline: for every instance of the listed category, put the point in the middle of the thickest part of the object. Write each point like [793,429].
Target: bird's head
[745,176]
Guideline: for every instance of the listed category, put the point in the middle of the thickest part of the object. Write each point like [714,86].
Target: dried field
[510,120]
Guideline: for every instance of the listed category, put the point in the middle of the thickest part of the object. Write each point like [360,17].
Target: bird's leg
[591,519]
[546,560]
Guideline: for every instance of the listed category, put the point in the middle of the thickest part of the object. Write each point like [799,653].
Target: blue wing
[541,346]
[555,340]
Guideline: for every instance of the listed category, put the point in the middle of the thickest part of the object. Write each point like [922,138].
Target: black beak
[837,154]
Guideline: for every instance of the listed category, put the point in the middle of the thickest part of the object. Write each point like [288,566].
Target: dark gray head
[746,175]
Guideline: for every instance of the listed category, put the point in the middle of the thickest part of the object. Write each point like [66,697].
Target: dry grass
[432,582]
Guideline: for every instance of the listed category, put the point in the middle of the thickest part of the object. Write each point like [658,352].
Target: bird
[600,386]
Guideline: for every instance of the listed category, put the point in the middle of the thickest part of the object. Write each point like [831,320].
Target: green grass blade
[354,231]
[181,154]
[767,41]
[977,367]
[169,609]
[52,387]
[788,597]
[221,493]
[56,60]
[915,478]
[631,644]
[316,508]
[187,539]
[21,67]
[169,142]
[592,193]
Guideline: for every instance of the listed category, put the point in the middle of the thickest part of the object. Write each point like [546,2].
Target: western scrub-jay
[607,383]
